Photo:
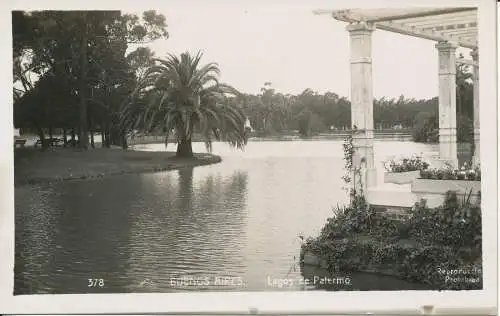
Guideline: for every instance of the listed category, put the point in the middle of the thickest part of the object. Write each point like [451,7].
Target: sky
[294,49]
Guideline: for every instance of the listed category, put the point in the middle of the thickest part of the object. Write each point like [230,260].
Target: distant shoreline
[396,135]
[33,166]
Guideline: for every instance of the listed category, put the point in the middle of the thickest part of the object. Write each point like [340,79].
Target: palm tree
[186,98]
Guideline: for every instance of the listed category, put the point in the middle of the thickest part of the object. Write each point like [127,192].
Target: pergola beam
[470,32]
[348,17]
[451,27]
[420,14]
[466,17]
[439,37]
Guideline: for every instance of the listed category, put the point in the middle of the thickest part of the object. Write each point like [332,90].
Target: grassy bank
[32,166]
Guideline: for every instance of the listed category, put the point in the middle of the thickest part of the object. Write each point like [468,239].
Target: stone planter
[434,191]
[442,186]
[401,177]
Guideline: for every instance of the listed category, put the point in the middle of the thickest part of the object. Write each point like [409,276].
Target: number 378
[96,283]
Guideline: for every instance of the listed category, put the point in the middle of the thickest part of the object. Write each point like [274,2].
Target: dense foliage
[78,59]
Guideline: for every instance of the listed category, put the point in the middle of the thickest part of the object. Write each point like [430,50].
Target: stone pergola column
[477,146]
[362,100]
[447,103]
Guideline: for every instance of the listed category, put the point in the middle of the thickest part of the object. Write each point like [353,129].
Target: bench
[20,142]
[52,142]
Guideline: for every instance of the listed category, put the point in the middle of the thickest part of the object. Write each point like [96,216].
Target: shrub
[425,128]
[455,224]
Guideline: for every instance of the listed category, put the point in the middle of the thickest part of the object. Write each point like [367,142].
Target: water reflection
[35,235]
[110,229]
[195,232]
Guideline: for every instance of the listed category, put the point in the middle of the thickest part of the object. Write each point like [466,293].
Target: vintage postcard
[249,156]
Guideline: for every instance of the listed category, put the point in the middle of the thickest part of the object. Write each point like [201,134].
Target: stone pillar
[362,100]
[476,159]
[447,103]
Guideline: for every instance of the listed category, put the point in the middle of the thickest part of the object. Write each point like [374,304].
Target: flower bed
[414,163]
[465,173]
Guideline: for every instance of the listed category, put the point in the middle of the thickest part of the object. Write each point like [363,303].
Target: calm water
[239,219]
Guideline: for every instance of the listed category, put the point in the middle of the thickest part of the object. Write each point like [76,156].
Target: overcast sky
[294,49]
[284,43]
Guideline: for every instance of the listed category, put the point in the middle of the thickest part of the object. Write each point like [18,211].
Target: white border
[305,302]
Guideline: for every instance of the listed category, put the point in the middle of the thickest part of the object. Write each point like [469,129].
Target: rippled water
[239,219]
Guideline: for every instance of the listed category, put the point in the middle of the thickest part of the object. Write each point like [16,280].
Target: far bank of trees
[310,113]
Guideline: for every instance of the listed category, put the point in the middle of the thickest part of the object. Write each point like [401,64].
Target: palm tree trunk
[185,148]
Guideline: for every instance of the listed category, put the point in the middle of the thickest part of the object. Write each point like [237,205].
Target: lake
[233,226]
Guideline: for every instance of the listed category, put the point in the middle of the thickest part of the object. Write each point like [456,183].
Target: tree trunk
[103,135]
[91,130]
[83,136]
[73,137]
[41,135]
[65,137]
[185,148]
[123,137]
[108,137]
[92,144]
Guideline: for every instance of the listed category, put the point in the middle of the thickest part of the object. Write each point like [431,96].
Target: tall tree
[74,44]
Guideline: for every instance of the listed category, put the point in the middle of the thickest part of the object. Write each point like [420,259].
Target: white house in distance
[248,125]
[450,28]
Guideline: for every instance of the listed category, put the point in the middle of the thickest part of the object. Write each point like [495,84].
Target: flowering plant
[414,163]
[466,172]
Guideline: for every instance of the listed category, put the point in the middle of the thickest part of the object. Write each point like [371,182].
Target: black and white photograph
[257,147]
